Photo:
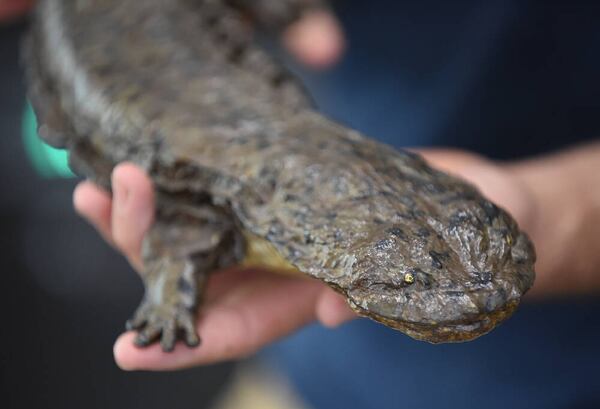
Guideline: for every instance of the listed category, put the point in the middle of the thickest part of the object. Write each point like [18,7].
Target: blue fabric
[544,357]
[506,79]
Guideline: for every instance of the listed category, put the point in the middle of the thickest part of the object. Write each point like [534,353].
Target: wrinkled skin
[238,156]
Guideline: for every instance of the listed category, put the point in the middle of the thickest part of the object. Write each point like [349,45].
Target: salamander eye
[409,278]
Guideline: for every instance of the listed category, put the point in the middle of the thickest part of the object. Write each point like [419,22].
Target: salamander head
[443,284]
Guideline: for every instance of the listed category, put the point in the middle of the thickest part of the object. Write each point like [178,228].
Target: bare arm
[566,224]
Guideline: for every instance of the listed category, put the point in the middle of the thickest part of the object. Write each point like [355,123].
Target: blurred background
[508,79]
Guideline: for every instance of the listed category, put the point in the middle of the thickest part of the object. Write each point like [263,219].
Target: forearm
[565,222]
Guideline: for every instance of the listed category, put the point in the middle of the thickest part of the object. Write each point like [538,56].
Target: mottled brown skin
[235,150]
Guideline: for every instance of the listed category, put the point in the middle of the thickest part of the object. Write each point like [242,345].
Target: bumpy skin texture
[233,146]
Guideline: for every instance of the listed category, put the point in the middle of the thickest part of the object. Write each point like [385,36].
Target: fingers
[132,209]
[246,311]
[95,205]
[316,40]
[253,313]
[124,218]
[332,309]
[454,161]
[494,180]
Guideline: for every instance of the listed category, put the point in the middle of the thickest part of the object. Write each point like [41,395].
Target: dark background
[65,294]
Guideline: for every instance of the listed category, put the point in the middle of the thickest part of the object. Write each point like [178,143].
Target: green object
[49,162]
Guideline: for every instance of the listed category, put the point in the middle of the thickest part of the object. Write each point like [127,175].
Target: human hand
[242,310]
[245,310]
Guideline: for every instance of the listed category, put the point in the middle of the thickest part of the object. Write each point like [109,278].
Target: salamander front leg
[168,307]
[178,253]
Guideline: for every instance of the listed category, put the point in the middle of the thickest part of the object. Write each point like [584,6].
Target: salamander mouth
[447,332]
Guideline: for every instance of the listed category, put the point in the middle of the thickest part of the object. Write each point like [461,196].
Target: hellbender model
[243,166]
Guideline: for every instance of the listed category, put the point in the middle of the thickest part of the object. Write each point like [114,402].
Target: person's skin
[11,9]
[555,198]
